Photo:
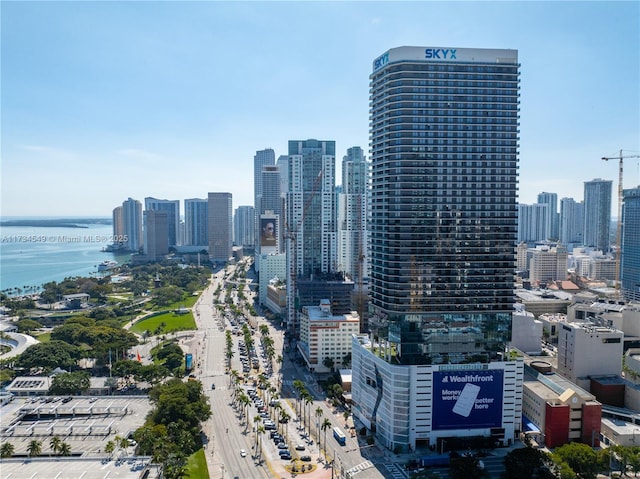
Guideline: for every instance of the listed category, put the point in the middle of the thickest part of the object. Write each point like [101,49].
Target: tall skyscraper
[172,208]
[444,154]
[156,234]
[118,225]
[310,214]
[220,223]
[597,214]
[196,222]
[244,231]
[630,259]
[271,201]
[533,224]
[132,222]
[352,215]
[550,199]
[571,222]
[262,158]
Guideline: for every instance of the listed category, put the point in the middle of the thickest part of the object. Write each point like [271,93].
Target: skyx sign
[440,54]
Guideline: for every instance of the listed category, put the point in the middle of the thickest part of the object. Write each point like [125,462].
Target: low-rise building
[326,336]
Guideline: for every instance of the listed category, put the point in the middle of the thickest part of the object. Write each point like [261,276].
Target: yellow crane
[620,159]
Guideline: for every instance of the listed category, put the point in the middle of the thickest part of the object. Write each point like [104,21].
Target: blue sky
[107,100]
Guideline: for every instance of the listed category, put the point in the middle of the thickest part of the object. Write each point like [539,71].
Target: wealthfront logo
[440,53]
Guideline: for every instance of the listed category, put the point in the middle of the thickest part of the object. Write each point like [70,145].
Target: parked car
[243,453]
[299,447]
[305,458]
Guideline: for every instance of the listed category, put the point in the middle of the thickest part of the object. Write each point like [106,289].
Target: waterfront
[33,255]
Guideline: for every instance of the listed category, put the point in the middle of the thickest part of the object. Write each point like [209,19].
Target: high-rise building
[533,224]
[352,215]
[597,214]
[262,158]
[172,208]
[571,222]
[630,258]
[118,226]
[156,234]
[444,158]
[310,214]
[220,223]
[551,199]
[271,201]
[196,221]
[244,231]
[132,223]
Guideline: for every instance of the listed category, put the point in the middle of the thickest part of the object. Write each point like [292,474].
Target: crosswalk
[396,471]
[360,467]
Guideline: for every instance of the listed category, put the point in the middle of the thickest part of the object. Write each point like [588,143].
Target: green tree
[7,450]
[463,467]
[581,458]
[70,383]
[27,325]
[34,448]
[49,356]
[525,463]
[55,443]
[65,449]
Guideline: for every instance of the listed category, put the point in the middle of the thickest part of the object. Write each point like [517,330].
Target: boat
[107,265]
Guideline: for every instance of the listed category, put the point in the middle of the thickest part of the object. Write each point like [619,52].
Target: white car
[243,453]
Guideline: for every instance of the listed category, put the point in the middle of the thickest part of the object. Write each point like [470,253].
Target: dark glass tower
[630,260]
[444,153]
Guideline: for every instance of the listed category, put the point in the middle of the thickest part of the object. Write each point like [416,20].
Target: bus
[339,435]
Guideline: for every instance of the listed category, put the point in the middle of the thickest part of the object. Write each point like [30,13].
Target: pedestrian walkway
[360,467]
[396,471]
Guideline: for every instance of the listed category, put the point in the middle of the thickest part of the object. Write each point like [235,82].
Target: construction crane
[291,233]
[620,159]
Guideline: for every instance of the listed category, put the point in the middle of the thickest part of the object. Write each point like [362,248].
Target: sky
[101,101]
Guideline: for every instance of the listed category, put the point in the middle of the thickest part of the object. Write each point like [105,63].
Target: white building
[323,335]
[526,332]
[424,405]
[586,350]
[272,265]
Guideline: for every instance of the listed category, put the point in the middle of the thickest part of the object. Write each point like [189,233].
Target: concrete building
[276,300]
[586,350]
[556,412]
[262,158]
[172,209]
[571,222]
[443,230]
[325,336]
[118,227]
[272,266]
[244,227]
[526,332]
[533,223]
[132,221]
[196,223]
[156,234]
[547,264]
[310,215]
[597,213]
[630,258]
[220,222]
[551,200]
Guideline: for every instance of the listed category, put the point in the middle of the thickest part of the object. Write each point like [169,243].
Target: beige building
[586,350]
[548,264]
[323,335]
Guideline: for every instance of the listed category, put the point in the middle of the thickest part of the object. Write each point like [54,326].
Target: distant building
[547,264]
[533,223]
[262,158]
[156,236]
[326,336]
[586,350]
[196,222]
[571,222]
[597,213]
[526,332]
[244,227]
[132,221]
[172,209]
[551,200]
[272,265]
[118,226]
[220,227]
[630,258]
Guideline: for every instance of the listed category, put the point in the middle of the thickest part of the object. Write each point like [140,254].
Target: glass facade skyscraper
[597,214]
[444,154]
[630,258]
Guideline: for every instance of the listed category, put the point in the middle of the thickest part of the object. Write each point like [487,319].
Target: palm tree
[308,400]
[64,449]
[256,421]
[110,447]
[55,444]
[260,430]
[7,450]
[326,424]
[319,414]
[34,448]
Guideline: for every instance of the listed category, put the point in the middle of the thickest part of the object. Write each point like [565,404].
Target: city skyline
[172,100]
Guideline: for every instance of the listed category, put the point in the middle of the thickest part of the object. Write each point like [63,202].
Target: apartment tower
[630,259]
[597,214]
[444,157]
[220,224]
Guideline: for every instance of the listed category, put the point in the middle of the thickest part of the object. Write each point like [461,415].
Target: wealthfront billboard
[467,399]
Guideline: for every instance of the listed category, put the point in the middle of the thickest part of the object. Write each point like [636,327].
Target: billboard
[268,233]
[467,399]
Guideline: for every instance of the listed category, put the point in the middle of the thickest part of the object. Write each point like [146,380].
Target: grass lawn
[196,467]
[44,337]
[187,302]
[172,321]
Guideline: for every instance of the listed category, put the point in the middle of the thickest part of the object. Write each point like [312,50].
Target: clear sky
[102,101]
